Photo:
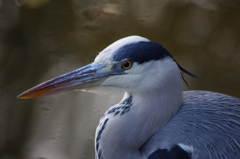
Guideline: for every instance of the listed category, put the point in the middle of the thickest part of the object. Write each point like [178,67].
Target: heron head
[133,63]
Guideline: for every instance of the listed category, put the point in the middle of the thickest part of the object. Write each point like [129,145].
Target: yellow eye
[126,65]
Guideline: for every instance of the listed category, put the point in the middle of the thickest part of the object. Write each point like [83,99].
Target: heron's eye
[126,65]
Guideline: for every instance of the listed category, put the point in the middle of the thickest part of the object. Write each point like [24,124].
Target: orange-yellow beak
[91,75]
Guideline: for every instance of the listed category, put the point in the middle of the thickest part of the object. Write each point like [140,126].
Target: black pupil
[126,64]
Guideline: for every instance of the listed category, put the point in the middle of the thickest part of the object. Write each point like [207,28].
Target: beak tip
[23,96]
[28,95]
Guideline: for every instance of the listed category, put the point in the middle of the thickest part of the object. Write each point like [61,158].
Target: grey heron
[155,119]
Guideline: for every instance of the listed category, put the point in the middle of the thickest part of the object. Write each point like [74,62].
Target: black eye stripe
[141,52]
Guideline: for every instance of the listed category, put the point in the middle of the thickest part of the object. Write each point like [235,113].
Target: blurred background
[41,39]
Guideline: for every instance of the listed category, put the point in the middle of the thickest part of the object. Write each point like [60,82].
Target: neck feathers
[126,126]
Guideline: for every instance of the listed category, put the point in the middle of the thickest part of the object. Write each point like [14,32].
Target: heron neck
[125,133]
[156,109]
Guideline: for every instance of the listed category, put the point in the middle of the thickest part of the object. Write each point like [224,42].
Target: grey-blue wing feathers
[208,122]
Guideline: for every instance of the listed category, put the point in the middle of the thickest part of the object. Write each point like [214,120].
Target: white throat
[123,130]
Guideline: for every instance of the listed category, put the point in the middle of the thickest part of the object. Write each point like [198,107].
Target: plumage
[155,119]
[175,152]
[208,122]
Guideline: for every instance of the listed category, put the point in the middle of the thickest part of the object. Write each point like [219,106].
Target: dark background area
[41,39]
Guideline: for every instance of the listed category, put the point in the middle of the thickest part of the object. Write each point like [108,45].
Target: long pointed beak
[89,75]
